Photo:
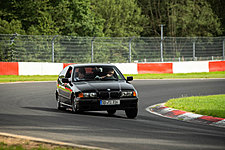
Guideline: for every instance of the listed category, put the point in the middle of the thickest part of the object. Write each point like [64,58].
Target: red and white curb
[47,68]
[162,110]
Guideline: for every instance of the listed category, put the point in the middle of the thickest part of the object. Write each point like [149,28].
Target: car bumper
[94,104]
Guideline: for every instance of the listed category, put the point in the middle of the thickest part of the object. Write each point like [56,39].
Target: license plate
[109,102]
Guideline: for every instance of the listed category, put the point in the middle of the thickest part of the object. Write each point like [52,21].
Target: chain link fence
[40,48]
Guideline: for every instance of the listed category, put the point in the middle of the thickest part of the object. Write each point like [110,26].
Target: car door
[61,85]
[68,86]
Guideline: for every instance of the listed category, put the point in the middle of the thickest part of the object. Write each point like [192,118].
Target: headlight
[87,95]
[128,94]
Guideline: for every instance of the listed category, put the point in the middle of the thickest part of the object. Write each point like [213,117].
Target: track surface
[30,109]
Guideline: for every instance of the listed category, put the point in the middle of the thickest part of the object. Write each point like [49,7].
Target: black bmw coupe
[96,87]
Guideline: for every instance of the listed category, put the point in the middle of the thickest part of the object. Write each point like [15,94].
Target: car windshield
[103,73]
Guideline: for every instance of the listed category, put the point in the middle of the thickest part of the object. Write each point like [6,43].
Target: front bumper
[94,104]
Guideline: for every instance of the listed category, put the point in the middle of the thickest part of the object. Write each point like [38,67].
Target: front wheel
[59,105]
[131,113]
[74,106]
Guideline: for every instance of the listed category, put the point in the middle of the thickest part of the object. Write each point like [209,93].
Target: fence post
[53,48]
[223,48]
[92,49]
[11,45]
[161,44]
[12,38]
[130,48]
[194,51]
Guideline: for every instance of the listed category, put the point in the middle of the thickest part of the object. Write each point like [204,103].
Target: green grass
[213,105]
[15,78]
[4,146]
[179,75]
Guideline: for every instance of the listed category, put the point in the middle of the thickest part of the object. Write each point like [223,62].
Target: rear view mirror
[130,78]
[65,80]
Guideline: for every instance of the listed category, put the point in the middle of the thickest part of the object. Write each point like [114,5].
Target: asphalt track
[30,109]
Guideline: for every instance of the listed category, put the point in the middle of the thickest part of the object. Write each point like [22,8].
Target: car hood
[103,85]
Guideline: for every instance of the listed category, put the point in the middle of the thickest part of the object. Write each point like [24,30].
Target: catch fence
[54,48]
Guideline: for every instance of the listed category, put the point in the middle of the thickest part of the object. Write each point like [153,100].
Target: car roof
[92,64]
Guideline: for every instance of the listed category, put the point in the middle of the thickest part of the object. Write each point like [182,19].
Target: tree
[84,22]
[34,16]
[192,18]
[218,8]
[62,16]
[122,18]
[50,17]
[14,26]
[155,11]
[181,18]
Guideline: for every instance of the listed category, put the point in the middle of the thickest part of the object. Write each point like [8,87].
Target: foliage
[48,17]
[6,52]
[180,18]
[191,18]
[218,8]
[122,18]
[112,18]
[111,50]
[14,26]
[106,18]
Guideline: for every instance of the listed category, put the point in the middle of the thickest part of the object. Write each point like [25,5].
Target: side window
[63,72]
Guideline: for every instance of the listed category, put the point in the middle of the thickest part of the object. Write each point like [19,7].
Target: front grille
[115,94]
[104,95]
[109,95]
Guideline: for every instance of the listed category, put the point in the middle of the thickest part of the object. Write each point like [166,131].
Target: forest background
[113,18]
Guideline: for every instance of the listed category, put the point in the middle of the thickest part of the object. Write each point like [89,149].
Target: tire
[111,112]
[131,113]
[59,105]
[74,106]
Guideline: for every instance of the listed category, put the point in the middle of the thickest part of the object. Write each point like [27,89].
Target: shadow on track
[86,113]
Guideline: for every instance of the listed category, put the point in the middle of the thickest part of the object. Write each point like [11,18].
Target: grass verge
[4,146]
[179,75]
[15,78]
[12,143]
[213,105]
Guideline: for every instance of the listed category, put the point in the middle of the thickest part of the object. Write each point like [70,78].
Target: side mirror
[130,78]
[65,80]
